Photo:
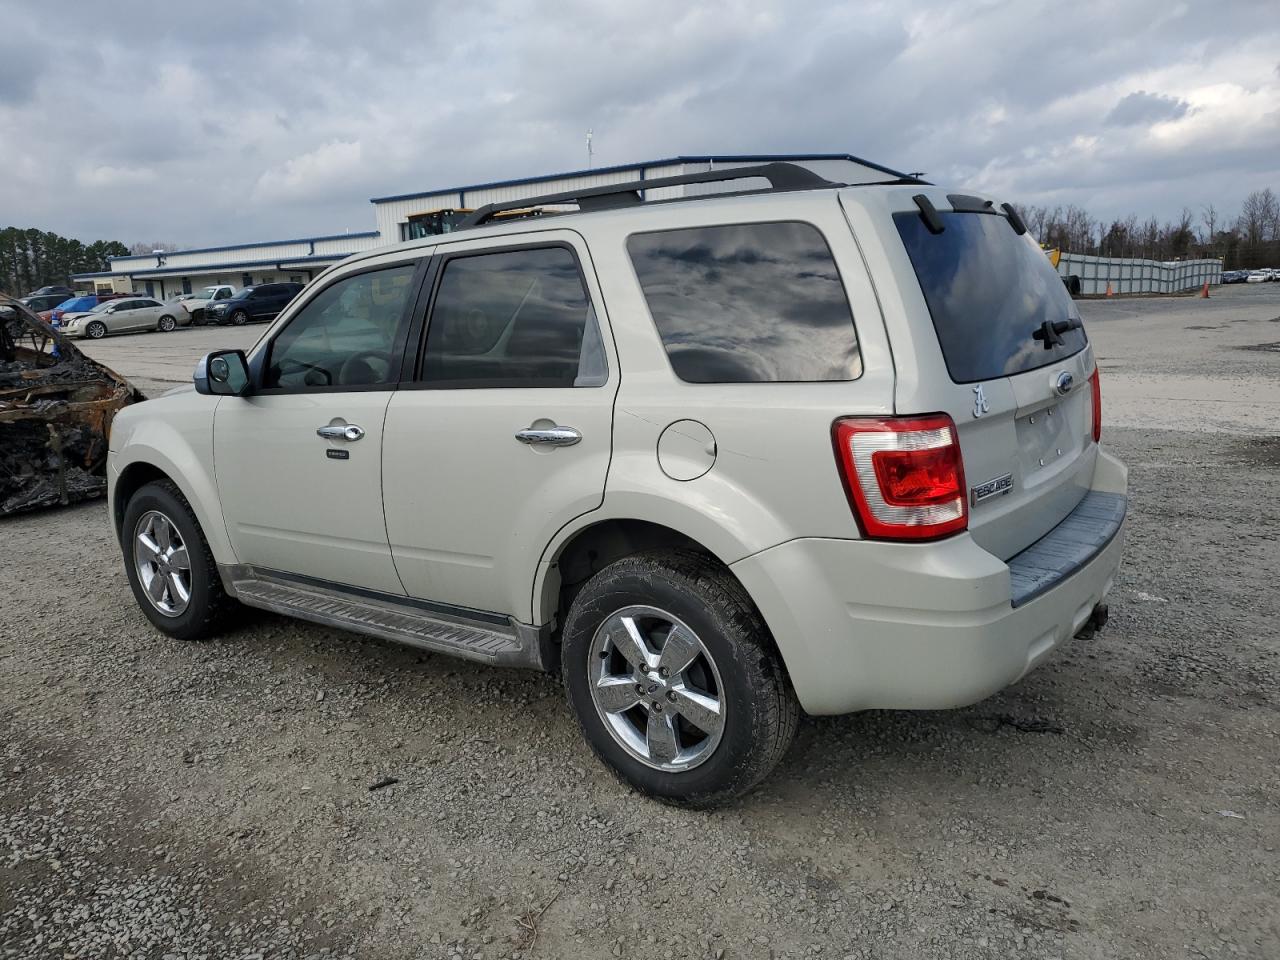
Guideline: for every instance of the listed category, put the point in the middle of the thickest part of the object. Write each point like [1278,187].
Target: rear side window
[748,303]
[513,318]
[988,290]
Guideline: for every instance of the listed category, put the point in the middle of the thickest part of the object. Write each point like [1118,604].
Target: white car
[196,303]
[1258,276]
[126,315]
[713,461]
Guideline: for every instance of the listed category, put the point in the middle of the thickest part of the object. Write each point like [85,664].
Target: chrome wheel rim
[657,689]
[161,561]
[239,319]
[167,324]
[96,331]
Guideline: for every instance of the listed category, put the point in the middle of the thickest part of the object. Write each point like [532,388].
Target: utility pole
[590,151]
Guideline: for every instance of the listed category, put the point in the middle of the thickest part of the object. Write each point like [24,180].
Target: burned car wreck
[56,408]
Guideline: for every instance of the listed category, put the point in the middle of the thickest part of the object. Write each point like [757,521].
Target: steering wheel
[357,369]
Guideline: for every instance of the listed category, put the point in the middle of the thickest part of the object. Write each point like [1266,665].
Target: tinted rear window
[748,303]
[988,291]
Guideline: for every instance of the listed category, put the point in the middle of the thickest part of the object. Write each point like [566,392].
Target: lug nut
[671,695]
[663,672]
[657,707]
[639,689]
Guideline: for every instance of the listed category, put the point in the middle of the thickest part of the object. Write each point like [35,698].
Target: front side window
[349,334]
[513,318]
[748,303]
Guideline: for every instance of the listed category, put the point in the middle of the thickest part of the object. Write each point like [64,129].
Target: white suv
[714,460]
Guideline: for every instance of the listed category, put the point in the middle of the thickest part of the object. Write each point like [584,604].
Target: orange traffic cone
[1204,292]
[1109,291]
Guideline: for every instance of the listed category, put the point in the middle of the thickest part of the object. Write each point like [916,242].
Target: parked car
[1258,276]
[52,291]
[125,315]
[197,303]
[1235,276]
[82,304]
[42,302]
[853,462]
[262,302]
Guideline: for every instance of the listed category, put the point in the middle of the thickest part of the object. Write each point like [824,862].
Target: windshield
[242,294]
[102,307]
[207,293]
[989,291]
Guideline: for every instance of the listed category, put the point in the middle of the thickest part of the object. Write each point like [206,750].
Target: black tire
[761,712]
[166,324]
[239,318]
[209,608]
[96,330]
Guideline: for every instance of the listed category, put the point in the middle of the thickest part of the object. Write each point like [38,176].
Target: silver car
[127,315]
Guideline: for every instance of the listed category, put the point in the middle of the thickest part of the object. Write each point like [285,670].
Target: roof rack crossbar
[781,176]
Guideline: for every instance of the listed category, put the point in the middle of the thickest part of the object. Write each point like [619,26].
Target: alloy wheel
[657,689]
[161,561]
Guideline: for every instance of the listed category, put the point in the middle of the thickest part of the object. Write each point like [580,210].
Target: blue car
[74,305]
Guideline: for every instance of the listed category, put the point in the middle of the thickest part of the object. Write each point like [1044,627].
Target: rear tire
[189,607]
[166,324]
[732,709]
[96,330]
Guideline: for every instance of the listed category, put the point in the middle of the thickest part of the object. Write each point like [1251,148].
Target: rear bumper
[865,625]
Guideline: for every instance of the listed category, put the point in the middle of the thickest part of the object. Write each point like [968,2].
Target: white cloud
[310,174]
[107,176]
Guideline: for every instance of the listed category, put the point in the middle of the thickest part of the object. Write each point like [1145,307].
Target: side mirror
[223,373]
[111,309]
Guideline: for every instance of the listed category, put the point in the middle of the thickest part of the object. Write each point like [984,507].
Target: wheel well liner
[134,477]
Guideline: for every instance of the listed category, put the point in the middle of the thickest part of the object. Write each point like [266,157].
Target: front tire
[239,318]
[674,679]
[166,324]
[170,567]
[96,330]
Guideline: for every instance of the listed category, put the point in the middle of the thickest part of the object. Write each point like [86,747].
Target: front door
[506,434]
[299,462]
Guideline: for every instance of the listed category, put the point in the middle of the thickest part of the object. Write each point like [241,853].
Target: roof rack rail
[781,176]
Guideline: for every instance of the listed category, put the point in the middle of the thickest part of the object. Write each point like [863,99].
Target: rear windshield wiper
[1051,331]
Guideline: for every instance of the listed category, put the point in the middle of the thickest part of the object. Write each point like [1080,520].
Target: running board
[388,618]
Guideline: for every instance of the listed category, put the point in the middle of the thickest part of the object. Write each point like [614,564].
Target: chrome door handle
[551,436]
[341,431]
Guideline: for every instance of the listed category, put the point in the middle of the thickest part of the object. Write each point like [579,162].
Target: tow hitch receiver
[1097,620]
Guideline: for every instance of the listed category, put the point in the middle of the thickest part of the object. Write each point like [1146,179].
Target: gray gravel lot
[160,799]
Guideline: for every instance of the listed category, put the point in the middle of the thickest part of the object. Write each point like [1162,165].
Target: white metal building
[166,275]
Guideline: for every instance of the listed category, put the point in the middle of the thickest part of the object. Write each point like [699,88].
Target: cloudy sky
[251,121]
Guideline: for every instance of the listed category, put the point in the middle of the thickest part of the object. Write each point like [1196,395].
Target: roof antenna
[590,151]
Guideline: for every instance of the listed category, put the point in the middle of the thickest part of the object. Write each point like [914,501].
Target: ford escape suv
[713,460]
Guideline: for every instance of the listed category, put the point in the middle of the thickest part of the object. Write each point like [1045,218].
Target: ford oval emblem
[1064,383]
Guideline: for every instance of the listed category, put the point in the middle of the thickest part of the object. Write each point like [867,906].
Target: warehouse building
[408,216]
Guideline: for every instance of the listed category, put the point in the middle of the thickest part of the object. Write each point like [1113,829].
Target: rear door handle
[341,431]
[550,436]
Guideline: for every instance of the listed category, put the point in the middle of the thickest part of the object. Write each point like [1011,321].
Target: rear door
[506,432]
[984,330]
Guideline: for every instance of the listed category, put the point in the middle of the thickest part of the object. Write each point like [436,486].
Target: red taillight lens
[904,475]
[1095,388]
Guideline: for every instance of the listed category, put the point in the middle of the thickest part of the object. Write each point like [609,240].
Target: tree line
[1249,240]
[31,258]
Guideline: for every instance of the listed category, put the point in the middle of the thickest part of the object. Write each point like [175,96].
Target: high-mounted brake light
[1095,388]
[904,475]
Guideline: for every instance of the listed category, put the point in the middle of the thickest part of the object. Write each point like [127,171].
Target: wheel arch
[196,488]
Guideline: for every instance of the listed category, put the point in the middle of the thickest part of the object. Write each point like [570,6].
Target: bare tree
[1209,217]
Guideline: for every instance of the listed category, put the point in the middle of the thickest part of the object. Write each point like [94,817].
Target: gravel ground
[214,800]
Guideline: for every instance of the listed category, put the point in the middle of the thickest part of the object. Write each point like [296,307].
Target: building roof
[670,161]
[280,263]
[245,246]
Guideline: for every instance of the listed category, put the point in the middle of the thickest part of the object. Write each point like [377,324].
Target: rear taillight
[1095,389]
[904,475]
